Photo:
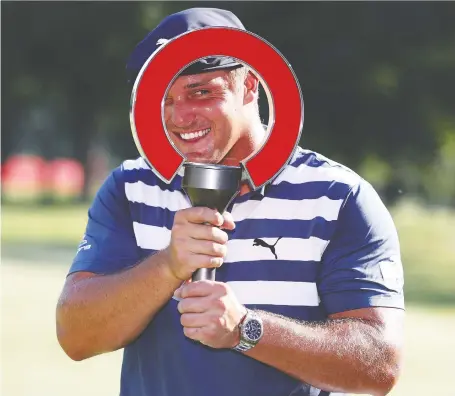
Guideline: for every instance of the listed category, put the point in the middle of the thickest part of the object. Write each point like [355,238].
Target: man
[308,295]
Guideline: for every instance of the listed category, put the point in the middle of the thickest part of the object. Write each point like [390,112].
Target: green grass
[427,239]
[48,225]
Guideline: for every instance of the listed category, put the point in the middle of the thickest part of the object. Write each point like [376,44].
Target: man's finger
[193,305]
[228,223]
[208,248]
[194,320]
[202,215]
[200,288]
[193,332]
[207,232]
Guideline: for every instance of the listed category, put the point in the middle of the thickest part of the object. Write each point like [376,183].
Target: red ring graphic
[171,58]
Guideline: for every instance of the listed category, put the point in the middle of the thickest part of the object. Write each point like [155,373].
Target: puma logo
[260,242]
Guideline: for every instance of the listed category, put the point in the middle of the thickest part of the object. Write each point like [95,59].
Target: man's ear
[251,86]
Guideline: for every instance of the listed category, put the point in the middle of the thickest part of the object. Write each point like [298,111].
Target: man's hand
[197,240]
[211,313]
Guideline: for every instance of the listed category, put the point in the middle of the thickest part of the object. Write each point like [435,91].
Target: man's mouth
[194,136]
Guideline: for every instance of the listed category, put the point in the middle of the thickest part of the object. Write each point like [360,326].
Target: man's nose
[181,115]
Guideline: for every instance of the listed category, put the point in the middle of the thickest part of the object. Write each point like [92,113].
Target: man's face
[204,114]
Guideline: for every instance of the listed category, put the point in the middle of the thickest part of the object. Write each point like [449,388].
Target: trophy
[214,185]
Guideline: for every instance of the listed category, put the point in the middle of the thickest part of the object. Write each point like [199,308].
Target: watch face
[253,330]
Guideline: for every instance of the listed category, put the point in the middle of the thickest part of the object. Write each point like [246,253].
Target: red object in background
[23,175]
[30,176]
[65,176]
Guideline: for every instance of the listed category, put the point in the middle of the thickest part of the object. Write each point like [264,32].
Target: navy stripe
[251,196]
[245,229]
[310,159]
[151,215]
[324,393]
[269,270]
[268,228]
[309,190]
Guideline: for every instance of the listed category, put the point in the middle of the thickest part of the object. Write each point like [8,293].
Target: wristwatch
[251,331]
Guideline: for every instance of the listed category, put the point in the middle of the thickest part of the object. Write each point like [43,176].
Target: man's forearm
[104,313]
[340,355]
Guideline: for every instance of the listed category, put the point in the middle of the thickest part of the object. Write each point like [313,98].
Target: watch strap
[243,346]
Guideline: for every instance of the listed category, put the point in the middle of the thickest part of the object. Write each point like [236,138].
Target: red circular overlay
[172,57]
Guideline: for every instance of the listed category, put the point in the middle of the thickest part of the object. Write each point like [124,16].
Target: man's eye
[201,92]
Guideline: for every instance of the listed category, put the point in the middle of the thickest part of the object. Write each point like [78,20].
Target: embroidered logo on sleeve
[84,245]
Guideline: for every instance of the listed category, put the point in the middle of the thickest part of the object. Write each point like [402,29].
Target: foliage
[377,79]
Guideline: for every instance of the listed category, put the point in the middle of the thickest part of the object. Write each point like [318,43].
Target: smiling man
[213,117]
[308,297]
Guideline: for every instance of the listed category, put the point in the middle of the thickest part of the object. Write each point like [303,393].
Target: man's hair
[237,77]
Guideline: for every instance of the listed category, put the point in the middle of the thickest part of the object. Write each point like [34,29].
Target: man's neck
[244,188]
[251,141]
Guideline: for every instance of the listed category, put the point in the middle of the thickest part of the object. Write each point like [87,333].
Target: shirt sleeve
[361,266]
[109,243]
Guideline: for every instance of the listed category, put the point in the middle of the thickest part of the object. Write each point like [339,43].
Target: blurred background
[378,83]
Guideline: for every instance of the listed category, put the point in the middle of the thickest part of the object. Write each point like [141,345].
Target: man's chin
[201,159]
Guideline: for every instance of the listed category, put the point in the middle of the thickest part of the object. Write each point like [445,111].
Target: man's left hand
[211,313]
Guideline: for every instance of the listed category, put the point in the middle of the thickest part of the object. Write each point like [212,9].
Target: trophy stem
[211,186]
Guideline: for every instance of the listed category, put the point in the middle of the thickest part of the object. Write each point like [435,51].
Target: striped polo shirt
[315,241]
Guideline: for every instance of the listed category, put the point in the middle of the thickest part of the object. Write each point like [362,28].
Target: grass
[55,225]
[428,250]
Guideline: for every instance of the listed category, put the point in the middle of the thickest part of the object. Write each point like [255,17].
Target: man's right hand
[198,240]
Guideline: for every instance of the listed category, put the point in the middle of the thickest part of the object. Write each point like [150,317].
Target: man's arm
[102,313]
[360,283]
[357,351]
[110,294]
[108,299]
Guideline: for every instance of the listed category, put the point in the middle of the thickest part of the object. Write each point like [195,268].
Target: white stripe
[297,249]
[276,293]
[286,209]
[151,237]
[154,196]
[138,163]
[305,174]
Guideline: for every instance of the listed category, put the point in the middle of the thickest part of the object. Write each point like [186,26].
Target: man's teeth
[194,135]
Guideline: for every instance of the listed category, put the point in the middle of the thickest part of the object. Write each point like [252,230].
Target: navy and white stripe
[301,206]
